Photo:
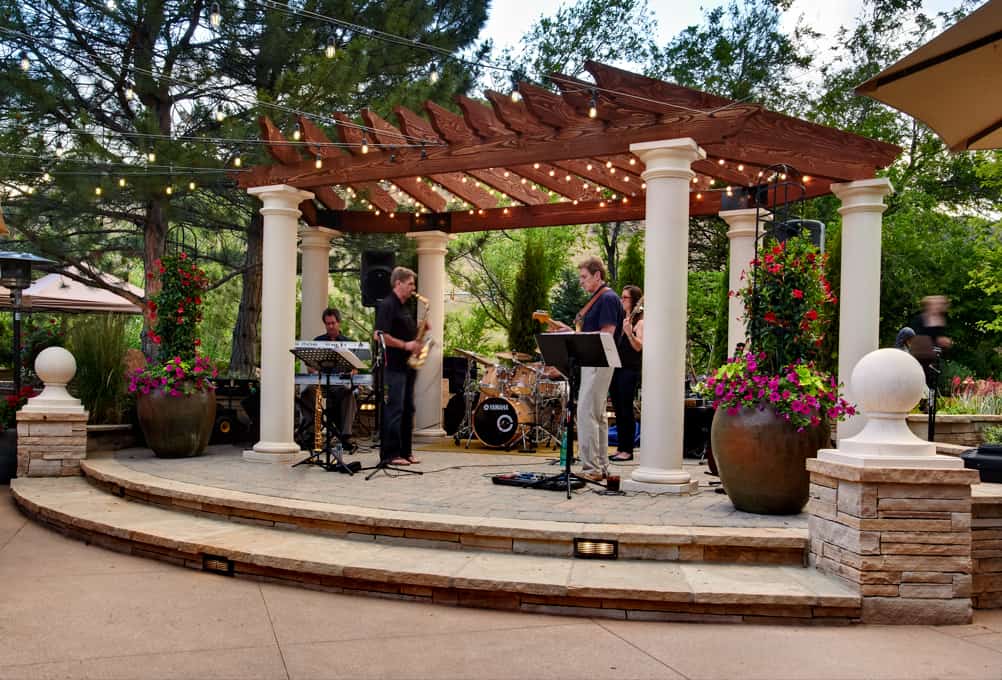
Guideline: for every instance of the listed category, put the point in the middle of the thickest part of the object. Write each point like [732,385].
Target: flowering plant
[789,307]
[789,304]
[799,394]
[11,404]
[983,397]
[174,314]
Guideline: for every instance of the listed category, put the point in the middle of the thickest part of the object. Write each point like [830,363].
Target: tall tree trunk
[154,241]
[246,330]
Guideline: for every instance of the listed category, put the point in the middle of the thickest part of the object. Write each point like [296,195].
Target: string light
[215,16]
[168,190]
[695,180]
[782,176]
[330,49]
[593,105]
[433,74]
[505,211]
[318,163]
[644,185]
[463,180]
[608,164]
[377,213]
[129,93]
[699,197]
[552,173]
[151,157]
[720,162]
[25,62]
[806,178]
[589,167]
[46,176]
[111,5]
[524,180]
[575,201]
[741,167]
[192,185]
[121,181]
[237,161]
[506,173]
[633,161]
[516,97]
[97,191]
[297,132]
[471,212]
[365,145]
[220,114]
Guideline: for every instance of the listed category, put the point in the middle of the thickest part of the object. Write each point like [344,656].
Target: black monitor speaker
[377,265]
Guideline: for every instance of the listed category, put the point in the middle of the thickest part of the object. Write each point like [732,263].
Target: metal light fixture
[15,275]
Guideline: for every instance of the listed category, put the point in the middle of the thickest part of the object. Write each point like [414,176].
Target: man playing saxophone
[398,329]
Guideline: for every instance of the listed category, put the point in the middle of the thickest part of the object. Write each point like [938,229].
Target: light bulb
[589,167]
[31,190]
[433,74]
[169,190]
[220,115]
[111,5]
[593,106]
[552,173]
[319,163]
[46,177]
[215,17]
[121,181]
[699,197]
[695,180]
[97,191]
[807,178]
[151,157]
[365,146]
[191,185]
[330,49]
[237,162]
[25,62]
[720,162]
[129,93]
[297,134]
[633,161]
[741,167]
[516,96]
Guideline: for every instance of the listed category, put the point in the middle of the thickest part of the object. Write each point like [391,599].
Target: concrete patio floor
[75,611]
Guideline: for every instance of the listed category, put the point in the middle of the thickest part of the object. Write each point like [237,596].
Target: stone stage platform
[448,536]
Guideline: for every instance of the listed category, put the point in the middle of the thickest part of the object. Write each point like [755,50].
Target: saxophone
[318,435]
[417,359]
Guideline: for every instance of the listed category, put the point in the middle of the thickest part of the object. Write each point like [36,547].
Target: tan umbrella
[953,83]
[55,292]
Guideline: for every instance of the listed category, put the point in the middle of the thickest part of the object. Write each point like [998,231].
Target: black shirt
[607,311]
[323,337]
[630,358]
[393,318]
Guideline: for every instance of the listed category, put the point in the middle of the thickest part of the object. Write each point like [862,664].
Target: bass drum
[496,421]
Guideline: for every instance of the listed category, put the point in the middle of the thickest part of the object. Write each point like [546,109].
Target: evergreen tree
[530,295]
[631,267]
[568,297]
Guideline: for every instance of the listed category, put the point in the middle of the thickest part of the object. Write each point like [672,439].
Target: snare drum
[494,381]
[552,389]
[496,420]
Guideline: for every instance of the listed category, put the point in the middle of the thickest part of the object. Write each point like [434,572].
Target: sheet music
[354,353]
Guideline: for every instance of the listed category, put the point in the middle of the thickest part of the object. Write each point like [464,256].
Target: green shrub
[992,434]
[98,341]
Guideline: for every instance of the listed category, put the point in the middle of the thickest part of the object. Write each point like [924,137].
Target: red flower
[811,315]
[770,317]
[778,249]
[797,293]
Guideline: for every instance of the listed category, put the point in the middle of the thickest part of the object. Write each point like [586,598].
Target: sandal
[400,461]
[621,457]
[412,460]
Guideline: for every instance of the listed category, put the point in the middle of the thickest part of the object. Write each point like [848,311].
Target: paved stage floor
[457,482]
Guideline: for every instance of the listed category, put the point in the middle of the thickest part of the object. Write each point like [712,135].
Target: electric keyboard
[364,379]
[359,349]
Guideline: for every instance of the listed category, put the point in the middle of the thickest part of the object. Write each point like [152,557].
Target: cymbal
[514,356]
[476,357]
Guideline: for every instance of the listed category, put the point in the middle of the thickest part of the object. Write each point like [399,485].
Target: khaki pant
[593,427]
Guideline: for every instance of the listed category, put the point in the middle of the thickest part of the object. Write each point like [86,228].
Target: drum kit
[513,402]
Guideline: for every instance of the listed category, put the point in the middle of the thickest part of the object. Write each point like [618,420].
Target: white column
[741,250]
[315,244]
[859,295]
[666,261]
[431,249]
[278,322]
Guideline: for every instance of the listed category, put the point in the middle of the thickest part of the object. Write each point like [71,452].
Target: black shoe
[349,446]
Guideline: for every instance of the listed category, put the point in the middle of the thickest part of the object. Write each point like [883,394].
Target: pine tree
[568,297]
[631,268]
[530,295]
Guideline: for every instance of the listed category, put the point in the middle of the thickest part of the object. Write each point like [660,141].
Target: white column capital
[280,199]
[741,222]
[865,195]
[431,242]
[668,158]
[316,237]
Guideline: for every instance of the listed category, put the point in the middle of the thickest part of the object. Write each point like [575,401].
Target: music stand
[568,352]
[327,361]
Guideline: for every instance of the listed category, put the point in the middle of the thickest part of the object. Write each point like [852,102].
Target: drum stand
[470,394]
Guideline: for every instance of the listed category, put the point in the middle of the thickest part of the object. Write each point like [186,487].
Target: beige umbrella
[56,292]
[953,83]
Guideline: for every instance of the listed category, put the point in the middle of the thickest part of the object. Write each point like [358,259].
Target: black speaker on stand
[377,265]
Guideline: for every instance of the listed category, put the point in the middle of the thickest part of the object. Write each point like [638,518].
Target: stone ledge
[892,475]
[620,589]
[763,545]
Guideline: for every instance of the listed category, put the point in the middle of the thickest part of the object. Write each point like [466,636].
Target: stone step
[632,589]
[737,545]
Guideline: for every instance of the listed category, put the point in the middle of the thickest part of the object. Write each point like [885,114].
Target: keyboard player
[341,399]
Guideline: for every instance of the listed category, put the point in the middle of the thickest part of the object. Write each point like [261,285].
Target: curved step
[744,545]
[622,589]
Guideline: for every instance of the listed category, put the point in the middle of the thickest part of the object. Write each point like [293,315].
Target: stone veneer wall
[960,429]
[986,552]
[50,444]
[902,537]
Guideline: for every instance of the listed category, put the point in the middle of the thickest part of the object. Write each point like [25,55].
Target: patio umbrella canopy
[57,292]
[953,83]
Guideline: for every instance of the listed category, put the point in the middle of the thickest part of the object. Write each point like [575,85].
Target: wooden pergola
[625,147]
[551,161]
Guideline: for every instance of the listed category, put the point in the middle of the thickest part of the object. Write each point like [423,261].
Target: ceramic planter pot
[762,460]
[176,427]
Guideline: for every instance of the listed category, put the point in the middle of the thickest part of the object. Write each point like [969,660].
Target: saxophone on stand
[417,359]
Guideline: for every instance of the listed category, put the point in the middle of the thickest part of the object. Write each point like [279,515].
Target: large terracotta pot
[176,427]
[762,460]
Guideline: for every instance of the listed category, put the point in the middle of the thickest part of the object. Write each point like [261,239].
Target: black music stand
[567,352]
[326,362]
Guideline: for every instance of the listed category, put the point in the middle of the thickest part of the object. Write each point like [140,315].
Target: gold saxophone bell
[417,359]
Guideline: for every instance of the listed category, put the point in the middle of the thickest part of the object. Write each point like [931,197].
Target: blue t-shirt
[607,311]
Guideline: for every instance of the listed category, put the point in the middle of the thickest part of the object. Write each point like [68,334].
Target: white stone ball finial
[56,367]
[887,384]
